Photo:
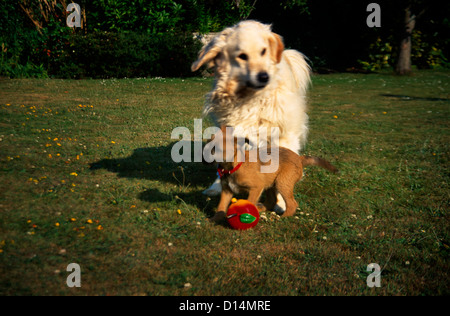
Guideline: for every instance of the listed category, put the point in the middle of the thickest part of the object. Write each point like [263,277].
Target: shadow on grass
[156,164]
[410,98]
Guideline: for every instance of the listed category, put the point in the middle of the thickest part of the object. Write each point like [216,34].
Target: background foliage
[122,38]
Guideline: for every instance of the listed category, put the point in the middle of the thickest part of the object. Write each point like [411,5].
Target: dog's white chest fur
[234,187]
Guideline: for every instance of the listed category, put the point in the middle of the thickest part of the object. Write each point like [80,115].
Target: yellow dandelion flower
[89,221]
[74,174]
[113,142]
[57,224]
[179,211]
[99,227]
[335,116]
[73,219]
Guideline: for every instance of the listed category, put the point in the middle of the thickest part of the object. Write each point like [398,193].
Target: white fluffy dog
[257,84]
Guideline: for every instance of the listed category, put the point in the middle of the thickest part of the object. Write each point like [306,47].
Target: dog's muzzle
[262,79]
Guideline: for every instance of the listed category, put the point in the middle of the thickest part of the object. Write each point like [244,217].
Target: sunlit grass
[87,178]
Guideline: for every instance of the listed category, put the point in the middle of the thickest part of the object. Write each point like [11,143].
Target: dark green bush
[135,49]
[118,55]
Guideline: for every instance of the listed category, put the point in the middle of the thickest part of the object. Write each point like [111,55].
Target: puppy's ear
[211,50]
[276,47]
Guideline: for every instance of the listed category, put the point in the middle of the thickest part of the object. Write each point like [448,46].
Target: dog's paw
[280,207]
[218,217]
[279,210]
[214,190]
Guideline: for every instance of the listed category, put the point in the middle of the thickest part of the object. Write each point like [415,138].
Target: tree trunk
[404,59]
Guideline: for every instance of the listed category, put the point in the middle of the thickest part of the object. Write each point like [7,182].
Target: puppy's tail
[316,161]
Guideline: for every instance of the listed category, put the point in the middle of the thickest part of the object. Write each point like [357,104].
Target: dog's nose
[263,77]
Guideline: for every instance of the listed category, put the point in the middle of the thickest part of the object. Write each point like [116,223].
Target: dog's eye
[243,56]
[263,52]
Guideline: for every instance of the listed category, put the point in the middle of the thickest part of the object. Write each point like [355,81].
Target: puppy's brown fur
[249,178]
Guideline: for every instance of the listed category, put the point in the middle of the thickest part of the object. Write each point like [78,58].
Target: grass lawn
[87,178]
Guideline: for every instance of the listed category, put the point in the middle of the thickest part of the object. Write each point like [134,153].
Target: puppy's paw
[279,210]
[218,217]
[280,207]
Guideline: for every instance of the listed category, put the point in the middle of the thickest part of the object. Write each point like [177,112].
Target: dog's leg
[292,142]
[214,189]
[254,195]
[225,199]
[285,183]
[287,191]
[291,205]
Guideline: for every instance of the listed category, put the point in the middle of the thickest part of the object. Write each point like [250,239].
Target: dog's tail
[316,161]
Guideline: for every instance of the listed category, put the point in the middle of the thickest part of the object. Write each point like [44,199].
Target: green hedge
[118,55]
[100,55]
[146,40]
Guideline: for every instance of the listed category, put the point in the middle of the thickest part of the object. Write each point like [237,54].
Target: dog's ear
[276,47]
[211,50]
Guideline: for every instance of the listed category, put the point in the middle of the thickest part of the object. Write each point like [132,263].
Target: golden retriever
[257,84]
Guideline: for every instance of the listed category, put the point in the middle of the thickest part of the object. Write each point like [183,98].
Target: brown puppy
[244,176]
